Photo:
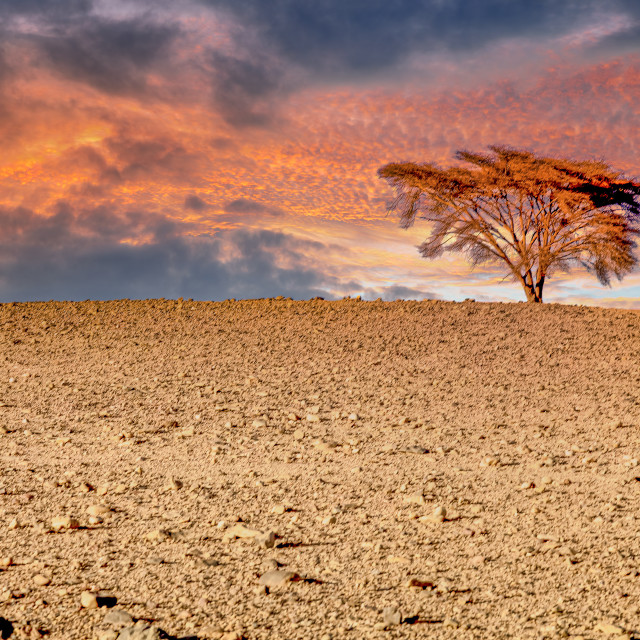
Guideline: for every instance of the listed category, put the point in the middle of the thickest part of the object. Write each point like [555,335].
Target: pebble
[98,510]
[391,616]
[609,629]
[143,631]
[259,422]
[278,578]
[266,540]
[278,509]
[88,600]
[118,618]
[419,583]
[158,535]
[41,580]
[240,531]
[175,484]
[64,522]
[329,520]
[7,561]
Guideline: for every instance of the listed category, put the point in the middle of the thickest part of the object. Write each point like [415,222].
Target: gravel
[471,468]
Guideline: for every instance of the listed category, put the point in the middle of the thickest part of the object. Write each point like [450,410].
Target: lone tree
[537,215]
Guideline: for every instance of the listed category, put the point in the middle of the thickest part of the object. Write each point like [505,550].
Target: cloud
[246,91]
[246,205]
[96,254]
[194,203]
[112,56]
[45,8]
[336,38]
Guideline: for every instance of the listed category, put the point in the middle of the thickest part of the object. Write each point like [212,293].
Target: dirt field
[319,470]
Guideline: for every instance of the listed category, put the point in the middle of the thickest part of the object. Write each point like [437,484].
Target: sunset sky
[212,149]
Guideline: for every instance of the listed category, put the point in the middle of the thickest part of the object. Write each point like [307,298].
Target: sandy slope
[340,427]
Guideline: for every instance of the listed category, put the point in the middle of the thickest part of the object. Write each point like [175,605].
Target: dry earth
[411,469]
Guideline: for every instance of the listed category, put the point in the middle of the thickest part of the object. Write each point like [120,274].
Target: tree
[534,214]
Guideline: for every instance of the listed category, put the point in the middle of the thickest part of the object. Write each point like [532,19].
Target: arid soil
[319,470]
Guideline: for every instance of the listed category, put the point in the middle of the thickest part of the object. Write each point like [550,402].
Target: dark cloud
[78,255]
[246,90]
[154,158]
[338,37]
[109,55]
[63,9]
[194,203]
[248,206]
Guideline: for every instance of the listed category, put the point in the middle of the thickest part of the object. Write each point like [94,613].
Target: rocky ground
[318,470]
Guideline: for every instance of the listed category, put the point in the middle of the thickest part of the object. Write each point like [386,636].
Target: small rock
[259,422]
[415,448]
[419,583]
[88,600]
[240,531]
[5,562]
[41,580]
[329,520]
[391,616]
[415,498]
[118,618]
[143,631]
[98,510]
[278,578]
[270,564]
[298,434]
[158,535]
[64,522]
[609,629]
[353,417]
[266,540]
[278,509]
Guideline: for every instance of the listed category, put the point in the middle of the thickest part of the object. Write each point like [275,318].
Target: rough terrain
[319,470]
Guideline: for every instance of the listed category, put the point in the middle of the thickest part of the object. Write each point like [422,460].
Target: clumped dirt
[319,470]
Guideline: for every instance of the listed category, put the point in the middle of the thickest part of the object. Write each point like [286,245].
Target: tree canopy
[535,215]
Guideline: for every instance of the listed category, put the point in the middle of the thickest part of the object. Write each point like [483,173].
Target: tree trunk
[539,287]
[532,290]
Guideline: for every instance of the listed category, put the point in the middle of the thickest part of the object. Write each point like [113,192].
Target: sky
[215,149]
